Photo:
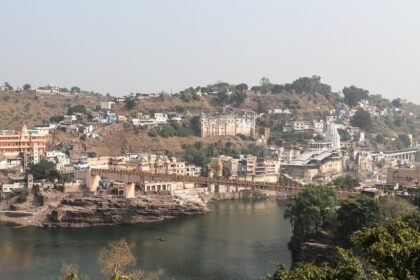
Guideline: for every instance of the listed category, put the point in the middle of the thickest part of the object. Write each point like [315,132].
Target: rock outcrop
[111,210]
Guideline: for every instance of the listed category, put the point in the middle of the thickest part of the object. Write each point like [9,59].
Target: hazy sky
[139,46]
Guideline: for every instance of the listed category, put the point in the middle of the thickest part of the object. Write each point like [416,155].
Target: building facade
[26,141]
[231,124]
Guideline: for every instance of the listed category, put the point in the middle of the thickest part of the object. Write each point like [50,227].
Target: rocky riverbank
[109,210]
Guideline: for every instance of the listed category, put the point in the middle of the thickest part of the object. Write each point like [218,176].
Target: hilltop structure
[230,124]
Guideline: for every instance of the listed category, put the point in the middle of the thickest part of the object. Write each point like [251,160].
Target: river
[239,239]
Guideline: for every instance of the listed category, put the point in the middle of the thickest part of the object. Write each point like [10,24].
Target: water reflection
[237,240]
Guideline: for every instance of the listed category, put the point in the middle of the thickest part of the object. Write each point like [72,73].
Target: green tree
[8,86]
[310,210]
[393,250]
[266,85]
[261,108]
[354,214]
[222,97]
[346,182]
[241,87]
[392,208]
[130,103]
[362,119]
[56,118]
[396,102]
[345,267]
[353,95]
[26,87]
[77,109]
[238,97]
[75,89]
[44,170]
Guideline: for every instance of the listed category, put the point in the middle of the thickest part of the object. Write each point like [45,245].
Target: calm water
[237,240]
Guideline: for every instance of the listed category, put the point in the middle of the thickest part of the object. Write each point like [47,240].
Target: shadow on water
[238,239]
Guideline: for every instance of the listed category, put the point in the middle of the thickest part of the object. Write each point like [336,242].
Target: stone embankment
[107,210]
[97,211]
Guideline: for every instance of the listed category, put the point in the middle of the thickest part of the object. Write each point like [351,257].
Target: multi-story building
[59,158]
[290,126]
[231,124]
[26,141]
[312,166]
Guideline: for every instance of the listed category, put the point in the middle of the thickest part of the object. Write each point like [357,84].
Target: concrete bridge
[133,178]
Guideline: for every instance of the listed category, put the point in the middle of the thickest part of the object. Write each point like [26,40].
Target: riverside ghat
[135,197]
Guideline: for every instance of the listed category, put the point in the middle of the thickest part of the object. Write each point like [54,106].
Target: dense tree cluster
[382,234]
[353,95]
[77,109]
[303,85]
[44,170]
[346,182]
[170,130]
[362,119]
[200,154]
[310,210]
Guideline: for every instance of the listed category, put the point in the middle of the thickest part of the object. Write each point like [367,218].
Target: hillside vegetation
[21,109]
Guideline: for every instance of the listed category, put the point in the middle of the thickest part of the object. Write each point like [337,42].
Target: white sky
[139,46]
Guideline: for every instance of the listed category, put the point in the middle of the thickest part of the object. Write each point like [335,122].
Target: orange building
[26,141]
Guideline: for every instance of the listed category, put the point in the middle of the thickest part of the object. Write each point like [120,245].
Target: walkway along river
[238,239]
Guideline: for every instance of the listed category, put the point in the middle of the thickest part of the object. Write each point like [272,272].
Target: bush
[23,196]
[152,133]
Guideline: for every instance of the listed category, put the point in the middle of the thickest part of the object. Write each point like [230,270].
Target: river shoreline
[112,210]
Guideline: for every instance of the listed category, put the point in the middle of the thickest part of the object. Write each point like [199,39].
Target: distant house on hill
[107,105]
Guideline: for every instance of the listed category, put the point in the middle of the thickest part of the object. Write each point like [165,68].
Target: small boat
[161,239]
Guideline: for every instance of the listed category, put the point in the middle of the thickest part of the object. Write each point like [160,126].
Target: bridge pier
[129,190]
[92,181]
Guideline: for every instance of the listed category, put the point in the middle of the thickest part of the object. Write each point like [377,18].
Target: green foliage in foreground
[345,267]
[393,250]
[389,252]
[117,263]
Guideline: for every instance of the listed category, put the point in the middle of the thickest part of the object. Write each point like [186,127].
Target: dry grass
[17,110]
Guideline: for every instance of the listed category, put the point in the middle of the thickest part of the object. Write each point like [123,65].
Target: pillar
[129,190]
[92,181]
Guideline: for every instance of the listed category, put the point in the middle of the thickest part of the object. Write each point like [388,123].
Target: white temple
[333,136]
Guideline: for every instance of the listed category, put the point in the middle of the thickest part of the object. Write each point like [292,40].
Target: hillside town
[331,148]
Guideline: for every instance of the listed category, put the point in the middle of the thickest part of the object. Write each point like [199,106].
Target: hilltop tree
[222,97]
[362,119]
[26,87]
[266,85]
[241,87]
[238,97]
[130,103]
[75,89]
[396,102]
[8,86]
[310,85]
[278,89]
[353,95]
